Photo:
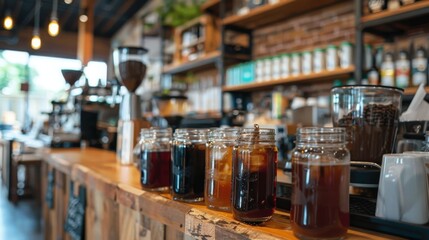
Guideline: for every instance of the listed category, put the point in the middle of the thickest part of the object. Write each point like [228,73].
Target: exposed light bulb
[53,28]
[8,22]
[68,1]
[83,18]
[36,42]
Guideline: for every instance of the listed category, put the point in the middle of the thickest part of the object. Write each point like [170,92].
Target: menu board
[49,196]
[75,220]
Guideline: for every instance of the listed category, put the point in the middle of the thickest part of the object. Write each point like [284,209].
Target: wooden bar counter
[118,208]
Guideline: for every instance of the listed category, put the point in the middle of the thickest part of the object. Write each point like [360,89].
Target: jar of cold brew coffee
[219,168]
[188,164]
[155,158]
[320,184]
[254,171]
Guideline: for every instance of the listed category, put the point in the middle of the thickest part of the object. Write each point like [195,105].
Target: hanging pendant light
[53,27]
[36,42]
[68,1]
[8,21]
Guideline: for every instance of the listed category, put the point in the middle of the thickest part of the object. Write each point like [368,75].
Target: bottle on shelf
[373,74]
[376,6]
[419,67]
[393,4]
[402,70]
[388,70]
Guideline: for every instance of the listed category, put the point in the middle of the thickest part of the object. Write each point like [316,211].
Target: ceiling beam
[114,19]
[86,33]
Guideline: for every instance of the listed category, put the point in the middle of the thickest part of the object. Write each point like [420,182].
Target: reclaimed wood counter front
[118,208]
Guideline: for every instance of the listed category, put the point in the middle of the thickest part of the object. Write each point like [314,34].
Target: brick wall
[330,25]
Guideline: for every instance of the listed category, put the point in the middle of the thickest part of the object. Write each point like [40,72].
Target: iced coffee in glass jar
[254,172]
[320,183]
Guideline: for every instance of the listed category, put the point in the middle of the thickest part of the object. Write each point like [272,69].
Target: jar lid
[319,49]
[345,43]
[331,46]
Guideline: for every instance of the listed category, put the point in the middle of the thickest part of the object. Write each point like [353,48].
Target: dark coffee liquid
[320,200]
[132,74]
[372,133]
[188,171]
[254,185]
[155,169]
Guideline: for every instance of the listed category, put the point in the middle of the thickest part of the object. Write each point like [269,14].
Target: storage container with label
[285,65]
[331,57]
[296,64]
[307,62]
[346,55]
[318,60]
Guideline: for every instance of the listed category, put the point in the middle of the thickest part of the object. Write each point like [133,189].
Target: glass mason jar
[320,184]
[188,169]
[155,158]
[219,168]
[254,171]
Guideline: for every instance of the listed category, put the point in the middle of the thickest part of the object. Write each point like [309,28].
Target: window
[46,82]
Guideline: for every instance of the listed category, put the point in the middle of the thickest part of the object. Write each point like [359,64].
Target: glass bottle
[188,164]
[219,168]
[402,70]
[376,6]
[419,68]
[254,170]
[320,183]
[155,159]
[388,71]
[373,74]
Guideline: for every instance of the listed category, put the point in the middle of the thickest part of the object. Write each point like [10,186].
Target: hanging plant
[177,12]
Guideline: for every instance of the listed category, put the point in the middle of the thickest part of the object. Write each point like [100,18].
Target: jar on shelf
[296,64]
[219,168]
[319,60]
[188,164]
[320,183]
[276,68]
[254,170]
[346,55]
[155,158]
[285,65]
[259,70]
[331,57]
[307,62]
[267,68]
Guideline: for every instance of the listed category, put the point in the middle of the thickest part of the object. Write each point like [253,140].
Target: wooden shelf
[271,13]
[414,10]
[338,73]
[204,62]
[210,5]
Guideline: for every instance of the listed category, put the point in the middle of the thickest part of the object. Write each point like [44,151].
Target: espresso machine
[63,121]
[130,69]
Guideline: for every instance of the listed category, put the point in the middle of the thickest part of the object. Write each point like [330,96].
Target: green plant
[177,12]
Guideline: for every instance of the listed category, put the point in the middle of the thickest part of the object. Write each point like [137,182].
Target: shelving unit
[390,16]
[310,78]
[387,24]
[271,13]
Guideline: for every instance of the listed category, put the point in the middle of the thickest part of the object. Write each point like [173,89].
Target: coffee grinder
[370,115]
[130,69]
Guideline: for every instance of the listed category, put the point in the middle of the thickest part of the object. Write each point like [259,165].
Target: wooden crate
[209,41]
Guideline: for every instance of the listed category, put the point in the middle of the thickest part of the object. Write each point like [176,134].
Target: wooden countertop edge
[93,180]
[193,219]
